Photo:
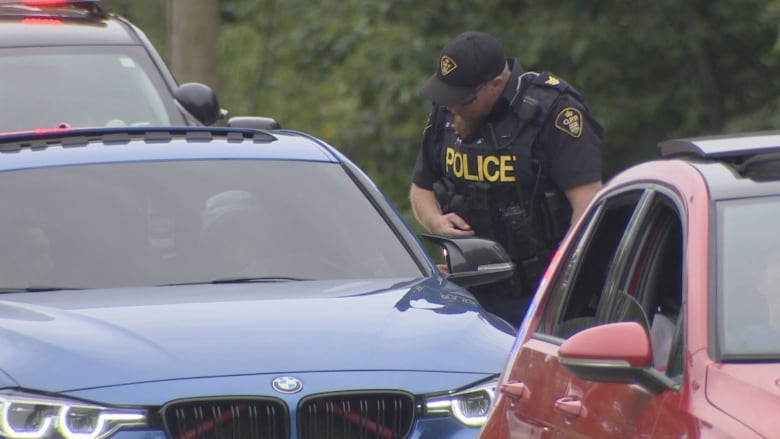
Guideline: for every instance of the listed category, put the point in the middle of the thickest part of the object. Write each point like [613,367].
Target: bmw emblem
[287,384]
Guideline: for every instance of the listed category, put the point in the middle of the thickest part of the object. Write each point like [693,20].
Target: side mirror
[200,101]
[614,353]
[254,122]
[474,261]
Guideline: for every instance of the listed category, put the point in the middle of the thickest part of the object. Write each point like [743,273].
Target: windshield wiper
[239,280]
[35,289]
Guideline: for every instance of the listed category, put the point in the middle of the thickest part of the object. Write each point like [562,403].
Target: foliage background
[348,71]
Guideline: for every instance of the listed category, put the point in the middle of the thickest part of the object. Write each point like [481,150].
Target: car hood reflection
[106,337]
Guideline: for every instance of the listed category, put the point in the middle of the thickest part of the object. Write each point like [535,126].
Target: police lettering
[480,167]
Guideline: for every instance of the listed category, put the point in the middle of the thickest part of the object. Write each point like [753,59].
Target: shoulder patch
[569,120]
[546,79]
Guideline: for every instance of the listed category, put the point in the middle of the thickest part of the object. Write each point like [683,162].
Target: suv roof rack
[728,146]
[753,155]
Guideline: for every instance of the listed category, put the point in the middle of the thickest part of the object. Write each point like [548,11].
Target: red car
[659,317]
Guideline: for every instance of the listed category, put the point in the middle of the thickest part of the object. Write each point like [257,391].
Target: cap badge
[552,80]
[447,65]
[569,120]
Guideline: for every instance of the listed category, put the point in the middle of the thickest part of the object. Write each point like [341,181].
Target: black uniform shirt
[569,138]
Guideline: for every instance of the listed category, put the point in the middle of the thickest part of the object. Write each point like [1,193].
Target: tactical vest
[499,182]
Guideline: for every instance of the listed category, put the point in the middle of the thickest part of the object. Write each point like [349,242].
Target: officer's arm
[579,197]
[428,214]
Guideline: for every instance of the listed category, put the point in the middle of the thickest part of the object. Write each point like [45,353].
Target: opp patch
[448,65]
[569,120]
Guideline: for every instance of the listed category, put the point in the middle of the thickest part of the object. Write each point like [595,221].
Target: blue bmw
[222,283]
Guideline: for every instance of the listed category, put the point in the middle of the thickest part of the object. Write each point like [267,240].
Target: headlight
[469,406]
[28,416]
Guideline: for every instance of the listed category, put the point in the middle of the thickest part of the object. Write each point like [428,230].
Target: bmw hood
[107,337]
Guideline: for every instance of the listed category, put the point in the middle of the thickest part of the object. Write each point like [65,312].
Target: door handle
[516,390]
[569,405]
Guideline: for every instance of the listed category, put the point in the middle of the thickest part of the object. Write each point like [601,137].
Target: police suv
[71,63]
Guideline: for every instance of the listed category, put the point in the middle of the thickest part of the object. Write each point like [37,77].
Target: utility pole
[193,33]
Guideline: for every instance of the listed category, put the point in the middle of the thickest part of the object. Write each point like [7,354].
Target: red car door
[624,264]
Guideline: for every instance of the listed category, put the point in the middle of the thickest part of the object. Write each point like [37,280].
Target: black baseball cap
[466,62]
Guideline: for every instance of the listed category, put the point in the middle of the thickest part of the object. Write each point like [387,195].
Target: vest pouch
[448,199]
[556,216]
[478,210]
[521,233]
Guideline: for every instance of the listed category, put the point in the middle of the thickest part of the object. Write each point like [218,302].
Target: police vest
[502,179]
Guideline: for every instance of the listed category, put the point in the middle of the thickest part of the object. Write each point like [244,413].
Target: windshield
[101,86]
[748,278]
[152,223]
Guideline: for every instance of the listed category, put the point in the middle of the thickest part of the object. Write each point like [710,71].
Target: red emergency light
[41,20]
[52,3]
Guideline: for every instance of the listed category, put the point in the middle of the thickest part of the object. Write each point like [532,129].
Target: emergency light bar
[46,3]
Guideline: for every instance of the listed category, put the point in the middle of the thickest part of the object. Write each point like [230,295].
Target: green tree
[348,71]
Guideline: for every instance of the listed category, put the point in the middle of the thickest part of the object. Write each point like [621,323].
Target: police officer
[508,155]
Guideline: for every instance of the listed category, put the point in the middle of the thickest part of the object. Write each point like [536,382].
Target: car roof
[733,165]
[84,23]
[63,147]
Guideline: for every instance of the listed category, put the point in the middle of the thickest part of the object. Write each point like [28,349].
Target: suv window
[651,281]
[577,291]
[77,86]
[70,63]
[748,272]
[627,267]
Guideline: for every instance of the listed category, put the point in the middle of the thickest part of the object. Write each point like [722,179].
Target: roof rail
[725,146]
[43,138]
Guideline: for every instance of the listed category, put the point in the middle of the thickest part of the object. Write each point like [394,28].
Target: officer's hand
[450,224]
